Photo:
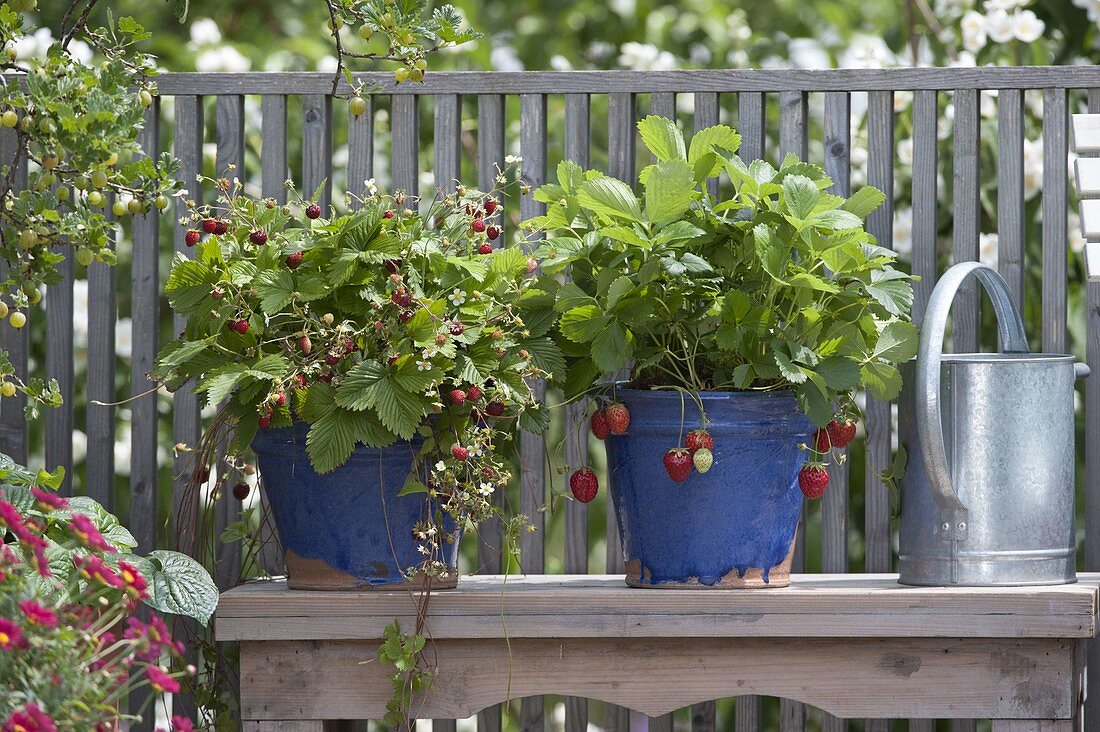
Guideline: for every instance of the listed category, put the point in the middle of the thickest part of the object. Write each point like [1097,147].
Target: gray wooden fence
[475,119]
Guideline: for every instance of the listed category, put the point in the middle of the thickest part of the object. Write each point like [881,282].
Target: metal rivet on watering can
[988,493]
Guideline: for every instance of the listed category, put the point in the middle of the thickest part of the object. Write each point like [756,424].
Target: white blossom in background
[1033,167]
[1004,5]
[328,64]
[1000,26]
[902,99]
[80,446]
[1091,8]
[560,63]
[905,151]
[124,338]
[222,58]
[987,249]
[807,53]
[737,25]
[503,58]
[868,52]
[903,233]
[1026,26]
[951,8]
[973,31]
[645,57]
[80,314]
[987,103]
[1073,233]
[37,45]
[965,60]
[205,32]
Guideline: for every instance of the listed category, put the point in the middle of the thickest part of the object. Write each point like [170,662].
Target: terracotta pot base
[314,574]
[753,579]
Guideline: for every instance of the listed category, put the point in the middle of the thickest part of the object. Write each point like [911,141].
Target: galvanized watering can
[988,493]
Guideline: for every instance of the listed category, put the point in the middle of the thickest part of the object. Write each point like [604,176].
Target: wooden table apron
[853,645]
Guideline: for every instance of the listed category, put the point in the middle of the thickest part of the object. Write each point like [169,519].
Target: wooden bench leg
[284,725]
[1033,725]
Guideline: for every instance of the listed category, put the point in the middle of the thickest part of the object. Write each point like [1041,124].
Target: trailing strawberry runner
[721,341]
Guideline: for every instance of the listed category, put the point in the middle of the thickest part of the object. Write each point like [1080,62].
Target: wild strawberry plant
[775,286]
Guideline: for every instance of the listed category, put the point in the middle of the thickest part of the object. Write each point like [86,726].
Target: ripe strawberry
[349,345]
[490,205]
[492,232]
[240,491]
[702,458]
[393,266]
[305,345]
[258,237]
[192,237]
[301,380]
[265,421]
[327,378]
[584,485]
[405,316]
[220,227]
[332,359]
[458,397]
[600,428]
[478,225]
[495,409]
[241,326]
[388,215]
[841,433]
[209,225]
[280,398]
[401,297]
[473,394]
[294,259]
[459,453]
[485,249]
[313,211]
[822,442]
[699,439]
[457,328]
[678,464]
[813,480]
[618,418]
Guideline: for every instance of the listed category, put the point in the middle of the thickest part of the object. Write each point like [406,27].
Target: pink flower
[92,567]
[152,638]
[11,636]
[48,500]
[161,680]
[182,724]
[135,584]
[10,517]
[38,615]
[86,531]
[30,718]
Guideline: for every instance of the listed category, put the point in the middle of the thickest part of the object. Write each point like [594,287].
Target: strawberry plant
[774,286]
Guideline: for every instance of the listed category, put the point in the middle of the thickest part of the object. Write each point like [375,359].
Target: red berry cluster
[695,455]
[611,420]
[813,479]
[481,226]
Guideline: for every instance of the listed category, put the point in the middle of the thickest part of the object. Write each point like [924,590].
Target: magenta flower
[93,568]
[161,680]
[85,530]
[48,500]
[38,615]
[30,718]
[11,635]
[135,584]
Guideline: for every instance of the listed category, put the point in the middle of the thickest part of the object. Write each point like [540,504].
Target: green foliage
[777,286]
[404,652]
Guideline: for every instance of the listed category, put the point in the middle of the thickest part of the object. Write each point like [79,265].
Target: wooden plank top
[591,606]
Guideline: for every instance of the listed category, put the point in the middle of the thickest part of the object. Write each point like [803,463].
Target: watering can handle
[953,514]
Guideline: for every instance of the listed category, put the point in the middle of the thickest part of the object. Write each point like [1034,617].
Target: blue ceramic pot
[733,526]
[346,529]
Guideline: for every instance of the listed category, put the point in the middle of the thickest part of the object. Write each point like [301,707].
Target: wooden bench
[853,645]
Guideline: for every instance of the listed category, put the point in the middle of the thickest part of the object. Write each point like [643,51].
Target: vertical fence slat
[1055,173]
[663,104]
[967,210]
[576,444]
[317,147]
[750,118]
[793,140]
[448,141]
[274,164]
[145,288]
[925,143]
[13,425]
[360,150]
[706,115]
[100,418]
[59,366]
[1092,455]
[405,144]
[1010,190]
[747,714]
[532,145]
[880,173]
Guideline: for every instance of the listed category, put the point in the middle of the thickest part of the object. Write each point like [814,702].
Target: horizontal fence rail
[944,201]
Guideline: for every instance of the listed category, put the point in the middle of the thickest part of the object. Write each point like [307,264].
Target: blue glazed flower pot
[731,527]
[346,529]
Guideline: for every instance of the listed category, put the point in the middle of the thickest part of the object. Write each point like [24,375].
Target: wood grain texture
[274,161]
[1033,725]
[317,147]
[602,82]
[751,118]
[100,418]
[1010,191]
[593,606]
[660,723]
[925,198]
[880,174]
[707,115]
[360,151]
[490,149]
[284,725]
[59,366]
[16,342]
[967,211]
[1002,678]
[663,104]
[447,133]
[1055,251]
[405,144]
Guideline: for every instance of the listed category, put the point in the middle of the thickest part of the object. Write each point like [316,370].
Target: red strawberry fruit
[332,359]
[841,433]
[220,227]
[678,464]
[618,418]
[485,249]
[258,237]
[209,225]
[192,237]
[490,205]
[265,421]
[393,266]
[388,215]
[813,480]
[492,232]
[457,328]
[458,397]
[459,453]
[698,440]
[822,442]
[401,297]
[305,345]
[405,316]
[478,225]
[294,259]
[474,394]
[584,484]
[313,211]
[495,409]
[240,491]
[600,427]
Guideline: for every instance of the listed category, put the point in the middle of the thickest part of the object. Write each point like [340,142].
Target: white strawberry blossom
[486,489]
[440,466]
[457,297]
[423,365]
